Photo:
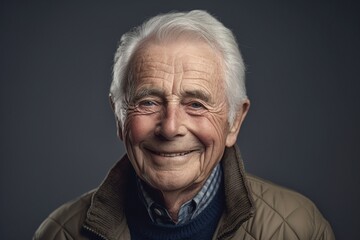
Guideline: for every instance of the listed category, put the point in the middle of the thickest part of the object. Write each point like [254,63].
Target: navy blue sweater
[201,228]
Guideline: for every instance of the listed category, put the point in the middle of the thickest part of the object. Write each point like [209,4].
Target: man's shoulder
[284,212]
[281,199]
[66,221]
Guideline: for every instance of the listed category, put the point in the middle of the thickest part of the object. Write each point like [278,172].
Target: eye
[196,105]
[148,106]
[147,103]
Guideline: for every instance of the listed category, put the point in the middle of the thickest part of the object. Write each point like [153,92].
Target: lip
[170,153]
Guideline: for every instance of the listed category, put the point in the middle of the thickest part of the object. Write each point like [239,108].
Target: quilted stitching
[248,233]
[280,213]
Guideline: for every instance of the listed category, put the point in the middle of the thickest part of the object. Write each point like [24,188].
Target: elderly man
[179,98]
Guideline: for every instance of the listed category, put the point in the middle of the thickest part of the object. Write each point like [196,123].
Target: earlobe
[235,128]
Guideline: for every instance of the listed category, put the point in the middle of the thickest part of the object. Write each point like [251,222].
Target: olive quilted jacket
[255,209]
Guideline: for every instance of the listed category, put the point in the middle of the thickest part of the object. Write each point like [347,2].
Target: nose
[172,123]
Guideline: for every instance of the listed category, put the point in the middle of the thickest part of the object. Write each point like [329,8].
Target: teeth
[172,154]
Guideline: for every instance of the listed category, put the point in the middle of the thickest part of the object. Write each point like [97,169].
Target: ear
[118,124]
[235,128]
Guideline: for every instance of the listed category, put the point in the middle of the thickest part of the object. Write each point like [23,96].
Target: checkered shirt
[190,209]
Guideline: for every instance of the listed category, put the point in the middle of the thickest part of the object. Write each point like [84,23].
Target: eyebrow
[198,94]
[145,92]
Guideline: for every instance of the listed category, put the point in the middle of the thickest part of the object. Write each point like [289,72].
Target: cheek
[137,128]
[211,131]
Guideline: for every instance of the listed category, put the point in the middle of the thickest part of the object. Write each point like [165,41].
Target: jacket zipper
[94,232]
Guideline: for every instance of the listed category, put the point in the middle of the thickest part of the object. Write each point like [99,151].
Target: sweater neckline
[106,213]
[201,227]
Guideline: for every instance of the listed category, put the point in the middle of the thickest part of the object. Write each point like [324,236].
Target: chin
[171,182]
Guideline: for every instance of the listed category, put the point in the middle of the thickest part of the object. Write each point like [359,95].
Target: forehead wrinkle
[205,69]
[213,87]
[174,69]
[178,73]
[196,75]
[201,68]
[147,69]
[204,63]
[210,60]
[153,62]
[203,77]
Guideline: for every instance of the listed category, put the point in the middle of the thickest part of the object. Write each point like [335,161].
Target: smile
[172,154]
[169,154]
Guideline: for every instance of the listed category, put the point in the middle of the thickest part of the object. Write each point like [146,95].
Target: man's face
[176,127]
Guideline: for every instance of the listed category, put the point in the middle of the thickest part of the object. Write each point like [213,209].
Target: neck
[173,200]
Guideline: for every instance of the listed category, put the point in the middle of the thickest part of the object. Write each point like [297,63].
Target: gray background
[57,131]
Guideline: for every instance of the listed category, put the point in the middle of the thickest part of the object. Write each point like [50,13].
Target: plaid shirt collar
[190,209]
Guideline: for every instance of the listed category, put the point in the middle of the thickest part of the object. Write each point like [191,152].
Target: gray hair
[197,23]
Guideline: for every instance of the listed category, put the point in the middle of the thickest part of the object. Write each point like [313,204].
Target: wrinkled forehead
[179,57]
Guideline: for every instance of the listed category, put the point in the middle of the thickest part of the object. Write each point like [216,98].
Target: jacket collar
[106,214]
[238,199]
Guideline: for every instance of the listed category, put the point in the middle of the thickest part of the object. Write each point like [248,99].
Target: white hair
[197,23]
